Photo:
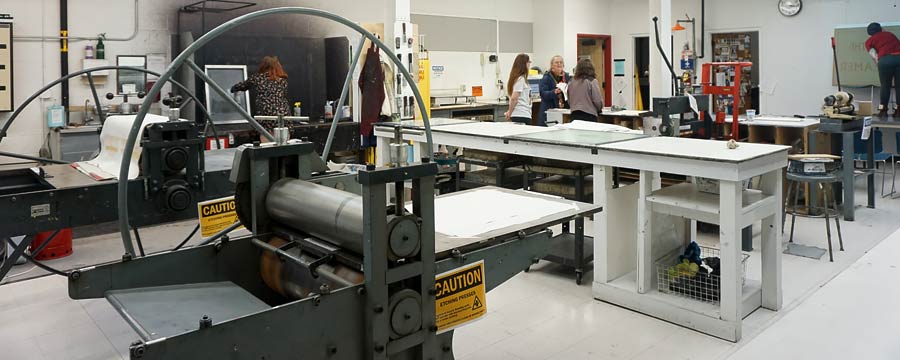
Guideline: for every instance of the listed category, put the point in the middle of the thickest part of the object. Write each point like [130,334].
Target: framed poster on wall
[220,111]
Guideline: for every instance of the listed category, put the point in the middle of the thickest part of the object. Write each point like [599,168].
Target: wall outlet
[462,88]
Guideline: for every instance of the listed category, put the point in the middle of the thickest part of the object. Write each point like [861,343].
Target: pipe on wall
[133,35]
[64,51]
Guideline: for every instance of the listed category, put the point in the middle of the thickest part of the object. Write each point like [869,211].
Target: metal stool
[824,182]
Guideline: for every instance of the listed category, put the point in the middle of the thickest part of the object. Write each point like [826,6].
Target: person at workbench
[551,94]
[884,47]
[584,93]
[519,91]
[270,83]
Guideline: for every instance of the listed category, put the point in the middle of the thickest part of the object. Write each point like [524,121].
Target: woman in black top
[270,82]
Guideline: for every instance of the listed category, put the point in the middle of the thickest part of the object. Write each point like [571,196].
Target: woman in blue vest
[551,95]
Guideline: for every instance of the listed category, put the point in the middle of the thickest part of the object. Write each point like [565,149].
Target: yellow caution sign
[216,215]
[460,296]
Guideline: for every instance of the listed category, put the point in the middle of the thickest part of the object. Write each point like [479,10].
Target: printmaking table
[786,130]
[616,229]
[846,150]
[663,213]
[549,143]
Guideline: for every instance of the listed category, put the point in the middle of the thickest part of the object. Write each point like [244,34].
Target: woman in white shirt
[519,91]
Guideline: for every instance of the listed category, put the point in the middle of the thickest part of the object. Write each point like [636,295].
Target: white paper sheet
[477,212]
[592,126]
[112,141]
[693,103]
[564,88]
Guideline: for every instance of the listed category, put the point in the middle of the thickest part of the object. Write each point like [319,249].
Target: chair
[881,156]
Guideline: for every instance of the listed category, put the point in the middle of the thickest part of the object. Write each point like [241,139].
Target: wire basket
[701,287]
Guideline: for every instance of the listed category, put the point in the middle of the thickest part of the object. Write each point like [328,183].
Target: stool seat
[826,178]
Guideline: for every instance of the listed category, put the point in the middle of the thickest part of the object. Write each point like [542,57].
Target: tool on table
[404,32]
[839,105]
[397,42]
[399,84]
[409,62]
[412,107]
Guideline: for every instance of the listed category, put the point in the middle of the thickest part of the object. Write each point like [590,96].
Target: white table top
[625,113]
[491,129]
[774,120]
[708,150]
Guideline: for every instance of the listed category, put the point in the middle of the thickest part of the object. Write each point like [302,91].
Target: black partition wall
[315,63]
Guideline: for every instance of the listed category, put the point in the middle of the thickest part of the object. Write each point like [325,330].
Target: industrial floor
[542,314]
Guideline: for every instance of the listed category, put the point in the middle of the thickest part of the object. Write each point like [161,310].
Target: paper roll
[112,142]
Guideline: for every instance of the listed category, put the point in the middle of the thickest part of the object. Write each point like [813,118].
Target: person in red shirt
[884,47]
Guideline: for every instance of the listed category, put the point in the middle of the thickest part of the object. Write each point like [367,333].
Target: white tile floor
[544,315]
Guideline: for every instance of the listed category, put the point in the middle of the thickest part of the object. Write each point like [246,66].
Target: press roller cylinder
[336,216]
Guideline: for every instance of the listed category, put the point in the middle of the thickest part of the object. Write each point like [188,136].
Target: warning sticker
[216,215]
[460,296]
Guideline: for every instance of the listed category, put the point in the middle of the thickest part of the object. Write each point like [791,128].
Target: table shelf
[694,314]
[686,201]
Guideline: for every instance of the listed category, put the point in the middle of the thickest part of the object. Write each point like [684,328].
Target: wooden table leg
[771,240]
[730,253]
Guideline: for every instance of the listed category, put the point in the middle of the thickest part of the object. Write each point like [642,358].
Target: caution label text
[216,215]
[460,296]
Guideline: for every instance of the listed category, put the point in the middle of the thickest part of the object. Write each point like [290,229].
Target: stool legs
[837,220]
[827,223]
[787,201]
[794,213]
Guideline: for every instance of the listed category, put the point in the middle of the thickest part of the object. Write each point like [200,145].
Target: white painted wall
[583,17]
[37,63]
[504,10]
[549,31]
[465,69]
[624,28]
[795,54]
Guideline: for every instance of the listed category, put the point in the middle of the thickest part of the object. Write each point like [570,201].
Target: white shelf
[751,297]
[92,63]
[694,314]
[686,201]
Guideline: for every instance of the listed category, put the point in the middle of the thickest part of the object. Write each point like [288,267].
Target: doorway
[598,49]
[642,73]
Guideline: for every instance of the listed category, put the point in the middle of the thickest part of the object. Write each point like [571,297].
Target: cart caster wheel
[579,276]
[527,269]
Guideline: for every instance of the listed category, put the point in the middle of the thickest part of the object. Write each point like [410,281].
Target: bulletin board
[856,66]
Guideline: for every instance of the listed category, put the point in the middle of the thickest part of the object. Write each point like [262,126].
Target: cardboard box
[864,108]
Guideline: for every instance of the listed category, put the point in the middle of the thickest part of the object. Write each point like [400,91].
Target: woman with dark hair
[270,83]
[551,95]
[584,93]
[884,47]
[519,91]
